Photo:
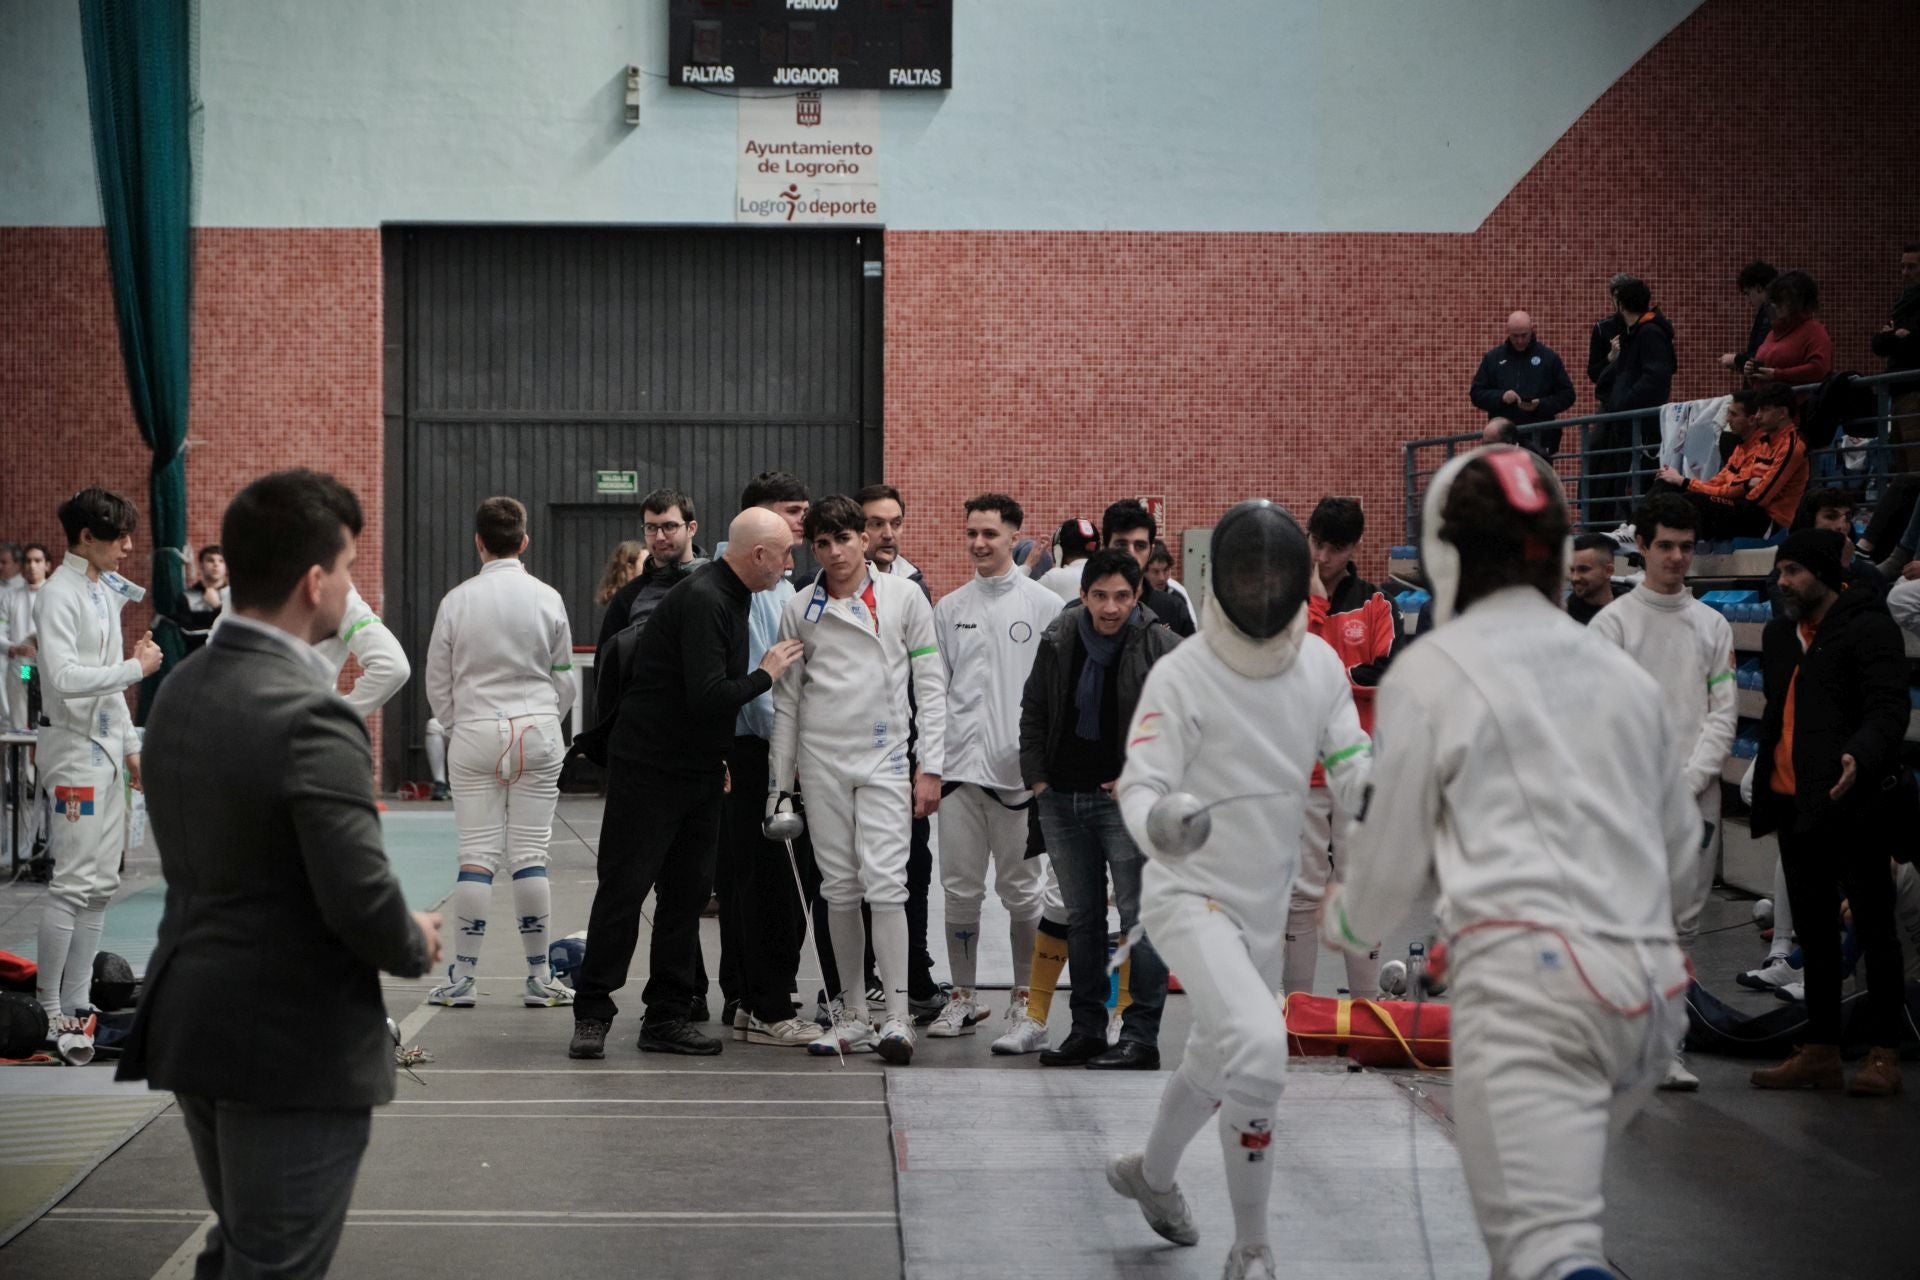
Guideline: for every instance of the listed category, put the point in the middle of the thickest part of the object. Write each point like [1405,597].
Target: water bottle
[1416,964]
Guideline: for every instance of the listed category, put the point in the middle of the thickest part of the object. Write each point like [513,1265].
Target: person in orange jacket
[1763,481]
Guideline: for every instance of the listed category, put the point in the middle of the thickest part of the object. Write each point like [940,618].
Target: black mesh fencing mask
[1261,568]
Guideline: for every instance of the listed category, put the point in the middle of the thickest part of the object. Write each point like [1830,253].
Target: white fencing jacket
[847,696]
[501,648]
[988,632]
[383,663]
[1688,649]
[1531,767]
[1203,728]
[84,670]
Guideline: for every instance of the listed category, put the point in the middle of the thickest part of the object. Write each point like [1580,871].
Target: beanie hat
[1818,552]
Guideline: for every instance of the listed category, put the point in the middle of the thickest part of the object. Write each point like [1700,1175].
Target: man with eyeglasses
[671,556]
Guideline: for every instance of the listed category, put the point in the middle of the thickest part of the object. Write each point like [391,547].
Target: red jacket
[1803,353]
[1362,626]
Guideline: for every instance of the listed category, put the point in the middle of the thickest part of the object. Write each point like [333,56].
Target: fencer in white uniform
[1529,767]
[383,663]
[88,753]
[841,725]
[1687,647]
[1219,757]
[988,631]
[499,675]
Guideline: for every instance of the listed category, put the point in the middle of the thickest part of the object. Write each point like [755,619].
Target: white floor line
[179,1264]
[582,1215]
[384,1116]
[411,1024]
[641,1102]
[827,1071]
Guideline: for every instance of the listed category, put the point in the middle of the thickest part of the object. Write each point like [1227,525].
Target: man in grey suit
[260,796]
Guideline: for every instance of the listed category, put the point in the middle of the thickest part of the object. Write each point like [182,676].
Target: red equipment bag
[17,973]
[1375,1033]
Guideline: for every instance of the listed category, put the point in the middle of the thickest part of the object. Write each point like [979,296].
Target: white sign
[809,158]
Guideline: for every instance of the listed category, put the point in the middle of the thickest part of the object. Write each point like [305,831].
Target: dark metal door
[523,361]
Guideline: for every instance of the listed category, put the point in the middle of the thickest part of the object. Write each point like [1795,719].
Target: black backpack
[23,1025]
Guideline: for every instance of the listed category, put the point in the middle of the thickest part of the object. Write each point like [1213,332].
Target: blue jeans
[1087,840]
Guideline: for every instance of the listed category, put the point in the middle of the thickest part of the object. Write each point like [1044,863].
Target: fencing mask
[1261,572]
[1524,519]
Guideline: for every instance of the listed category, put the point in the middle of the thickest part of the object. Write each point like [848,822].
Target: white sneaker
[545,994]
[1246,1261]
[896,1042]
[454,995]
[1678,1079]
[793,1033]
[1165,1211]
[958,1017]
[1796,992]
[1113,1027]
[1771,976]
[848,1034]
[1024,1036]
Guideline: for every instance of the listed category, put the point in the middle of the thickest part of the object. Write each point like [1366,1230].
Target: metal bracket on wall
[633,95]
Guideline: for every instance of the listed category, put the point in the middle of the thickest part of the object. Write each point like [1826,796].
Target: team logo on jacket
[75,802]
[1355,630]
[1021,631]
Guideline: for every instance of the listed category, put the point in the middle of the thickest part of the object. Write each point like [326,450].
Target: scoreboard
[810,44]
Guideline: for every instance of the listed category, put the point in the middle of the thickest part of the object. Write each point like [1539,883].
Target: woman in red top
[1797,350]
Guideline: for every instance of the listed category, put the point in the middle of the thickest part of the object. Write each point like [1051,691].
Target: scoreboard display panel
[810,44]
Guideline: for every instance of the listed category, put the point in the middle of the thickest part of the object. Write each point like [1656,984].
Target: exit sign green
[616,482]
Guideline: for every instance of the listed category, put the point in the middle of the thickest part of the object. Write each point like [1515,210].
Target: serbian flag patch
[75,802]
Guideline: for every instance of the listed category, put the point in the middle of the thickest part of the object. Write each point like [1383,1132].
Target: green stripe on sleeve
[1719,679]
[1357,749]
[358,627]
[924,651]
[565,666]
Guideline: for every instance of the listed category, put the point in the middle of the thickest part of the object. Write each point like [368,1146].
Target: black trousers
[279,1179]
[657,835]
[1842,856]
[1720,521]
[761,922]
[1608,487]
[1892,514]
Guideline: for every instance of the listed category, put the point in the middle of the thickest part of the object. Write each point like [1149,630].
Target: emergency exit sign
[616,482]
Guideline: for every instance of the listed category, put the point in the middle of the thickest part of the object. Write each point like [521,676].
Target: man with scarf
[1087,676]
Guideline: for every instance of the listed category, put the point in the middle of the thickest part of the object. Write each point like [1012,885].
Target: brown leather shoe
[1812,1066]
[1878,1077]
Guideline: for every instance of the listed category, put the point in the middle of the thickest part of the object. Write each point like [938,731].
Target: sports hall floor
[512,1161]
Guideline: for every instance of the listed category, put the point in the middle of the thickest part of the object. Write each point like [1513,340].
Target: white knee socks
[848,933]
[963,952]
[437,756]
[56,940]
[1184,1107]
[532,903]
[1246,1137]
[76,985]
[1782,944]
[1302,953]
[890,954]
[472,898]
[1022,933]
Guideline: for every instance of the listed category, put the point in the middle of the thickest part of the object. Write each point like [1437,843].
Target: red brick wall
[1071,369]
[286,372]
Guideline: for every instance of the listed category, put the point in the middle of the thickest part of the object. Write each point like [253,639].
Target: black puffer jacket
[1850,699]
[1643,375]
[1045,705]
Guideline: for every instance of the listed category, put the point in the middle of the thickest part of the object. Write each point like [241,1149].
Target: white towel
[1690,436]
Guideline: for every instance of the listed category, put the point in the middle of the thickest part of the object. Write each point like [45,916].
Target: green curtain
[141,97]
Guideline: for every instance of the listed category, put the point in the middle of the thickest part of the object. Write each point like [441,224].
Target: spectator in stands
[1128,526]
[1603,343]
[1764,480]
[1833,509]
[622,564]
[1835,671]
[1523,381]
[672,554]
[1159,575]
[1797,349]
[1899,341]
[1752,283]
[203,601]
[1591,575]
[1641,363]
[1500,431]
[1076,540]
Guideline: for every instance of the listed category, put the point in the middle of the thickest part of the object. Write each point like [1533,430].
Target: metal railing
[1603,491]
